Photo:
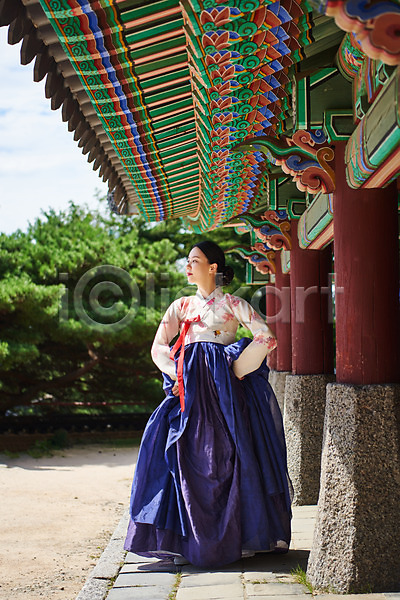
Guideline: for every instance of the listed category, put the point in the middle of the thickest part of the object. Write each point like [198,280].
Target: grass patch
[61,440]
[177,583]
[111,582]
[10,454]
[123,442]
[40,449]
[301,577]
[58,441]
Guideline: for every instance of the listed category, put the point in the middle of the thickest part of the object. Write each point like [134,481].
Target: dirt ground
[57,515]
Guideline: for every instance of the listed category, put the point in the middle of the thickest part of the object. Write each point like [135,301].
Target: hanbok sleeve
[264,340]
[167,330]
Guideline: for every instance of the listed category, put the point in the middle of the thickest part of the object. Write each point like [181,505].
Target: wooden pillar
[312,327]
[312,366]
[367,278]
[282,362]
[282,327]
[270,311]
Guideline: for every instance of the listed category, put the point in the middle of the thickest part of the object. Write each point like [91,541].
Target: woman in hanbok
[211,482]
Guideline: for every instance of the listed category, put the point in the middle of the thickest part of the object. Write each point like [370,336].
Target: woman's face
[198,268]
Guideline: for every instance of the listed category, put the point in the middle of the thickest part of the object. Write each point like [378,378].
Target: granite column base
[305,398]
[277,379]
[356,545]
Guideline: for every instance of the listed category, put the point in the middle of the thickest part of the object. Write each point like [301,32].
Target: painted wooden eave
[136,82]
[373,150]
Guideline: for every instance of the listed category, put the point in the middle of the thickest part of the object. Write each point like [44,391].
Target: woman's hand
[175,389]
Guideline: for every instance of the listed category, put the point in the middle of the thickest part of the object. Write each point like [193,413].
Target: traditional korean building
[282,119]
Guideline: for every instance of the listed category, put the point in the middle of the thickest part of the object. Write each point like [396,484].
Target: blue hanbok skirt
[212,481]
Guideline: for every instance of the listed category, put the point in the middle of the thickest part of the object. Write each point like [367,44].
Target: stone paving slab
[262,575]
[160,566]
[141,593]
[236,567]
[131,557]
[144,579]
[209,592]
[281,597]
[274,589]
[304,522]
[302,537]
[277,563]
[306,534]
[301,544]
[210,578]
[265,576]
[351,596]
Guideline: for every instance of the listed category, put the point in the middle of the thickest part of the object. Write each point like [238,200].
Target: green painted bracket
[338,124]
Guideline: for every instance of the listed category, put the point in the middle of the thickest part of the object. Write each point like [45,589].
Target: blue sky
[40,164]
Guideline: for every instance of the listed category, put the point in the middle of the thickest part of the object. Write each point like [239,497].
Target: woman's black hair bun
[227,275]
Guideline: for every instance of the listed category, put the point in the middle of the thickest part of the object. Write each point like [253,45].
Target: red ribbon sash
[179,371]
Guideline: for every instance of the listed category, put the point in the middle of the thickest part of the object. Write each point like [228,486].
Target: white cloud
[40,164]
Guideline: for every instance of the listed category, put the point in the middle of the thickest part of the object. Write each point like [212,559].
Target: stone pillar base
[277,380]
[305,398]
[356,544]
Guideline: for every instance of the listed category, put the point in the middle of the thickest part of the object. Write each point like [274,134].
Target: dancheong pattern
[236,58]
[271,231]
[92,38]
[376,24]
[196,95]
[305,157]
[240,54]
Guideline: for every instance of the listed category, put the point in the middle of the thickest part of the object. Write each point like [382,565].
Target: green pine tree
[81,295]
